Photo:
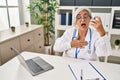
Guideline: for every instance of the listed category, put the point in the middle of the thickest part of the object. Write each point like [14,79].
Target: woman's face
[82,20]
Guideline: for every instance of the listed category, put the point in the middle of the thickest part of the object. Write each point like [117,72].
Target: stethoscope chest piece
[89,51]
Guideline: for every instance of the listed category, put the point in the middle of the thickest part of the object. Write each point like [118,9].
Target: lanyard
[89,44]
[74,34]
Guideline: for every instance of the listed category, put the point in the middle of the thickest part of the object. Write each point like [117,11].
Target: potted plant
[117,43]
[43,12]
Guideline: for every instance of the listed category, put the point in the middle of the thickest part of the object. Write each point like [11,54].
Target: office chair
[100,59]
[113,59]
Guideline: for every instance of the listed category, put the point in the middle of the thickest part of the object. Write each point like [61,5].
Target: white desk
[13,70]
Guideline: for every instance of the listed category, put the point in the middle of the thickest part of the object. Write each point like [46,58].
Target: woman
[83,41]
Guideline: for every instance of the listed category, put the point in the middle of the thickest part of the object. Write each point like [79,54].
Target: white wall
[26,12]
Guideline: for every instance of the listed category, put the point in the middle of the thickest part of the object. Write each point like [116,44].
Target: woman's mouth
[83,24]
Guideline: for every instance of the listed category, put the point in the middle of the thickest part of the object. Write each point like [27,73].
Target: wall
[26,13]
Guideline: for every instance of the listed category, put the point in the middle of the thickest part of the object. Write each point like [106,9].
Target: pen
[97,71]
[72,72]
[81,75]
[93,79]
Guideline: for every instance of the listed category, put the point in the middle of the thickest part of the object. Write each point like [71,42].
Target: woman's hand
[97,24]
[78,44]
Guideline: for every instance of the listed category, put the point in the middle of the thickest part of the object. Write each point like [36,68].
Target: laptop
[35,65]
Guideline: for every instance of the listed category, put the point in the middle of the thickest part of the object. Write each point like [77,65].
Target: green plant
[43,12]
[117,42]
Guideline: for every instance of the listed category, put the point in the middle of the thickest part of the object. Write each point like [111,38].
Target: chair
[64,54]
[110,59]
[113,59]
[101,59]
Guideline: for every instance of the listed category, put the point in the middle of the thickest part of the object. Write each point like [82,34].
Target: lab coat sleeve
[103,47]
[63,43]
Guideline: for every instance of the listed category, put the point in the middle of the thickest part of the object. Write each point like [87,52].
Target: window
[9,13]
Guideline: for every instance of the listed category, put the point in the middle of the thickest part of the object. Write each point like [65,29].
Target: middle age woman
[84,41]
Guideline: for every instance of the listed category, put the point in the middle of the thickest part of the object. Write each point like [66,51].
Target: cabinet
[101,3]
[115,2]
[103,12]
[106,13]
[5,49]
[26,40]
[75,2]
[114,32]
[67,2]
[39,40]
[23,39]
[83,2]
[89,2]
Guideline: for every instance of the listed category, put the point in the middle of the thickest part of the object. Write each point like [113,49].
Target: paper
[89,73]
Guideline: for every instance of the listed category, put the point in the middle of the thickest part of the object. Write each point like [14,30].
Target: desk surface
[13,70]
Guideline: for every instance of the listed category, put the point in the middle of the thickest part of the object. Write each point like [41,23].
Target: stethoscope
[89,44]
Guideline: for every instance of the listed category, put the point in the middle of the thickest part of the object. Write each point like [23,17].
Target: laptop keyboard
[34,66]
[46,66]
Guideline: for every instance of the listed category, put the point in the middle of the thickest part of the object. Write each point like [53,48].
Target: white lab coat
[100,46]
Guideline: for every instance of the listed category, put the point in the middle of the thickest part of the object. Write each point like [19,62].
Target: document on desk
[89,72]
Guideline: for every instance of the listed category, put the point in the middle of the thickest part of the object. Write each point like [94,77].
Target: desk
[13,70]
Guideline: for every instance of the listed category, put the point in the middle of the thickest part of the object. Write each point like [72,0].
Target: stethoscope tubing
[89,44]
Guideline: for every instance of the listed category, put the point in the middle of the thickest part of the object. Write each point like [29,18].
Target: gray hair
[81,9]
